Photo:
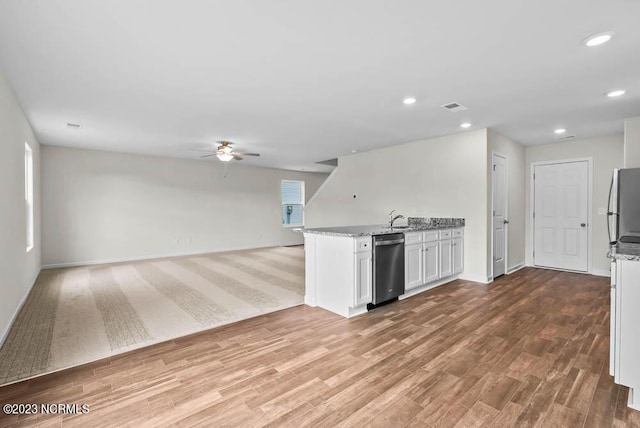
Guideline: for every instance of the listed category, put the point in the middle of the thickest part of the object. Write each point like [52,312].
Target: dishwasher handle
[392,242]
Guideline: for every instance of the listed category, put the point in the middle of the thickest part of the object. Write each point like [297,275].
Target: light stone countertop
[622,251]
[379,229]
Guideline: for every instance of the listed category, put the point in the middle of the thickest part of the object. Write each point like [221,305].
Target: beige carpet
[77,315]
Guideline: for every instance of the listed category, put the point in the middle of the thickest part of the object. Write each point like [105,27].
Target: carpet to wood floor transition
[76,315]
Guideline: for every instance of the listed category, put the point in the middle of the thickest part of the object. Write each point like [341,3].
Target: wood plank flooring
[530,349]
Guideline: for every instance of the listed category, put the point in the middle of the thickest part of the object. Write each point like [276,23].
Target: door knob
[583,224]
[505,222]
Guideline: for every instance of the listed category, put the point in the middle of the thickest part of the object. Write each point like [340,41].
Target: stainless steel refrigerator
[624,206]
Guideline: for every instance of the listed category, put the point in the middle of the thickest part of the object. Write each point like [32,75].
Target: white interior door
[560,215]
[499,214]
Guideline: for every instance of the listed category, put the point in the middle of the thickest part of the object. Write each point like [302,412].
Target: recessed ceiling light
[465,125]
[616,93]
[409,100]
[560,131]
[598,39]
[353,151]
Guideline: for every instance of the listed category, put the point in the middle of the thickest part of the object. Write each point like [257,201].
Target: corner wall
[606,154]
[18,268]
[104,206]
[439,177]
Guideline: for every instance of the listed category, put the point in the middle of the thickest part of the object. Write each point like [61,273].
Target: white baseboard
[5,333]
[155,256]
[426,287]
[515,268]
[472,278]
[600,272]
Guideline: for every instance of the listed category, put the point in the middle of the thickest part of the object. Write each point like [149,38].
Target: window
[292,203]
[28,193]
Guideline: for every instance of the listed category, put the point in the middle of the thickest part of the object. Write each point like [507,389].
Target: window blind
[292,202]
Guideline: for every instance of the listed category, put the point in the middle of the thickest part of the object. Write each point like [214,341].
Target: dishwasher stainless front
[388,267]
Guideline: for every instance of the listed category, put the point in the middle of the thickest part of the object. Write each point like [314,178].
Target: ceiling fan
[226,153]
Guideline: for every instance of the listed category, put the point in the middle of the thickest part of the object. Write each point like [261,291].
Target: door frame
[532,243]
[506,212]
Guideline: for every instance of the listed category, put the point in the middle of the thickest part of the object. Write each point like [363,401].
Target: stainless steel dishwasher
[388,267]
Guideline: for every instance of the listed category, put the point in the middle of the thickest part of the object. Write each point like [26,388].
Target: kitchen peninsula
[624,347]
[339,261]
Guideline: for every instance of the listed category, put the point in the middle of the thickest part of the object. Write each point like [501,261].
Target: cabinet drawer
[412,238]
[431,236]
[445,234]
[363,244]
[457,233]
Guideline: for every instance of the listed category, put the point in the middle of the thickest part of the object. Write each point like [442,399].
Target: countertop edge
[380,230]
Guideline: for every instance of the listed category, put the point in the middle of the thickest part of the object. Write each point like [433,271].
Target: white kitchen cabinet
[441,256]
[363,281]
[414,266]
[457,255]
[338,273]
[431,262]
[413,262]
[625,318]
[446,257]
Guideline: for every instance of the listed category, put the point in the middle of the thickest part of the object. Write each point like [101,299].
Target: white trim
[601,272]
[156,256]
[428,286]
[532,166]
[5,333]
[473,278]
[516,268]
[562,270]
[506,211]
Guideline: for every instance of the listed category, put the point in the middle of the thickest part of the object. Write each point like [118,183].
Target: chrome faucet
[392,219]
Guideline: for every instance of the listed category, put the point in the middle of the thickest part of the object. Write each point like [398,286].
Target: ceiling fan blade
[209,155]
[246,154]
[236,157]
[201,150]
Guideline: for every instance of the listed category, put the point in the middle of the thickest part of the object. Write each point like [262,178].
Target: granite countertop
[622,251]
[383,229]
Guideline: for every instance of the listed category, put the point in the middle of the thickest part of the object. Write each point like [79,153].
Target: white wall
[632,142]
[101,206]
[516,181]
[18,269]
[439,177]
[607,154]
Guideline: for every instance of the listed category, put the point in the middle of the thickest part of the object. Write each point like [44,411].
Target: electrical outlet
[602,211]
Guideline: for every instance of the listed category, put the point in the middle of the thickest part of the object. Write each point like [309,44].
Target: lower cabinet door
[627,343]
[446,259]
[364,280]
[431,262]
[458,255]
[414,266]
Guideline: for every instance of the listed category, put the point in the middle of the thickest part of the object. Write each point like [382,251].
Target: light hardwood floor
[530,349]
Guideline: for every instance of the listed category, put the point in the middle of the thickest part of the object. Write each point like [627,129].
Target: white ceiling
[303,81]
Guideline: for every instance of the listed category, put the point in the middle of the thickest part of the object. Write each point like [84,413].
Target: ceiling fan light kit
[225,152]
